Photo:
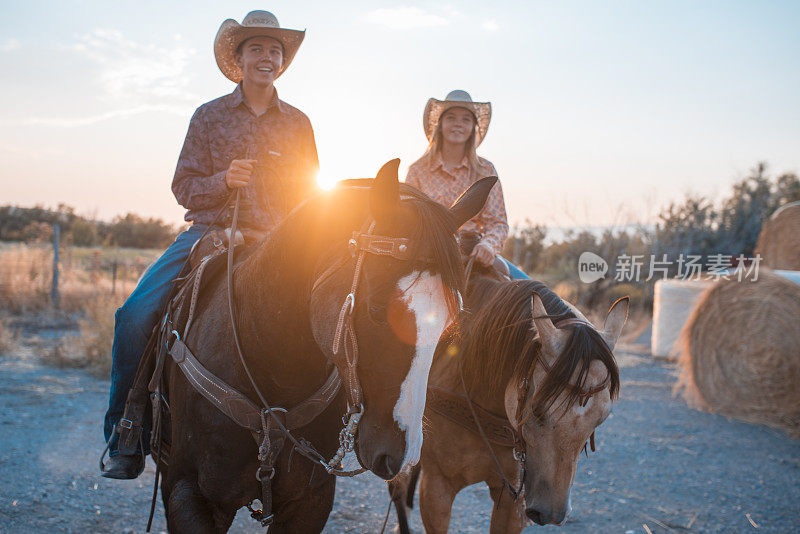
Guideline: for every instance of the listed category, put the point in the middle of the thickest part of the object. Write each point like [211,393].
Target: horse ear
[471,201]
[615,320]
[384,198]
[553,340]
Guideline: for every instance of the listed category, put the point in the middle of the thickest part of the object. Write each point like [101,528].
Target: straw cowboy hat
[255,24]
[457,99]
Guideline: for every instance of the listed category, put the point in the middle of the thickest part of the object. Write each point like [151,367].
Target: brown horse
[539,378]
[288,295]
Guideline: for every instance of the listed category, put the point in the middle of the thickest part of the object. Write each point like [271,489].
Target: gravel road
[659,466]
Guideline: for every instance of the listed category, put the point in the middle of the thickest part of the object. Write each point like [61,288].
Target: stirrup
[258,515]
[108,446]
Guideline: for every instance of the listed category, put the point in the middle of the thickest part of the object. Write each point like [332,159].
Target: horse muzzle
[381,456]
[547,518]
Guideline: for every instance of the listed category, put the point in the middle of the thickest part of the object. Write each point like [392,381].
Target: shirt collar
[236,98]
[438,163]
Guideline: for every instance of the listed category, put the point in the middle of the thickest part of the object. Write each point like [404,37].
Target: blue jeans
[135,320]
[514,271]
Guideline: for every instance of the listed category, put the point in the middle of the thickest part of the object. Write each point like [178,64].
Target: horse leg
[505,513]
[436,495]
[190,512]
[401,490]
[306,513]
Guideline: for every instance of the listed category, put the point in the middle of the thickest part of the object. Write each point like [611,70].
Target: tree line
[693,226]
[35,225]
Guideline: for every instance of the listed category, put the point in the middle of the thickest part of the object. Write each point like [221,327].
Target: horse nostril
[535,516]
[387,466]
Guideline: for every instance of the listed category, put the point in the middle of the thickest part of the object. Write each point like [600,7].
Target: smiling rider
[248,140]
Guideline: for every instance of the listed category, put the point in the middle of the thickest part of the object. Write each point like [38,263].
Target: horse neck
[272,300]
[500,358]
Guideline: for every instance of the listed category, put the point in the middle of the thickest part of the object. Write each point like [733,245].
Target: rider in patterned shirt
[248,140]
[455,127]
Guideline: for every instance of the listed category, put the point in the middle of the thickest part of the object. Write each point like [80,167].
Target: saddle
[219,239]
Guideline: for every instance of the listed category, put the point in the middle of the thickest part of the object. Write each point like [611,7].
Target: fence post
[114,277]
[54,295]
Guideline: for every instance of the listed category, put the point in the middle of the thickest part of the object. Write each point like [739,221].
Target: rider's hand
[483,254]
[239,172]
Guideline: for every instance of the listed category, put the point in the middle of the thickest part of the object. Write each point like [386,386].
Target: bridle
[584,394]
[519,450]
[360,244]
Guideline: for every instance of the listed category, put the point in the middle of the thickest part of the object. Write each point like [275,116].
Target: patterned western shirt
[282,141]
[445,184]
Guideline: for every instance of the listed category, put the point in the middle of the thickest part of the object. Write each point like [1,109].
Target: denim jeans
[135,320]
[514,271]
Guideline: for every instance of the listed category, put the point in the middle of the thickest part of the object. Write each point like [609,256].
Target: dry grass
[91,349]
[740,352]
[26,274]
[97,333]
[87,290]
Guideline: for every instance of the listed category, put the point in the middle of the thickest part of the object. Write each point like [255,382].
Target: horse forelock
[584,345]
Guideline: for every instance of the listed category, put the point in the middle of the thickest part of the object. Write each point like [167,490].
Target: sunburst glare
[325,181]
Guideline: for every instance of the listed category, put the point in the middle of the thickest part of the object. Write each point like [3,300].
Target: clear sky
[603,111]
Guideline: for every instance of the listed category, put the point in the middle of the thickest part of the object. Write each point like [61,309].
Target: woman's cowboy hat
[255,24]
[457,99]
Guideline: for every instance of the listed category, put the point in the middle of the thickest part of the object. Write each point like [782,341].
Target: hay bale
[740,353]
[673,302]
[779,240]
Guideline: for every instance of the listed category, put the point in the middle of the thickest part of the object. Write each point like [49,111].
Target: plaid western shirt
[444,185]
[282,141]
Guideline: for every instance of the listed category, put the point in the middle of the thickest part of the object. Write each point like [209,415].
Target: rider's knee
[134,314]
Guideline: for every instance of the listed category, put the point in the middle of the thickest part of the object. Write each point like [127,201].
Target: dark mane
[498,341]
[435,235]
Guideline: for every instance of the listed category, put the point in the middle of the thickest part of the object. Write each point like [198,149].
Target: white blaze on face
[424,295]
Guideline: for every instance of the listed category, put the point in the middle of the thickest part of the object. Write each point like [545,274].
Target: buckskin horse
[515,394]
[361,281]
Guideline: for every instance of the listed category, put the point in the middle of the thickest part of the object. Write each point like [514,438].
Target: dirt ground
[659,466]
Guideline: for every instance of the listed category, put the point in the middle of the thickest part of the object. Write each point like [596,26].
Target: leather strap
[237,406]
[198,277]
[454,407]
[572,321]
[227,399]
[396,247]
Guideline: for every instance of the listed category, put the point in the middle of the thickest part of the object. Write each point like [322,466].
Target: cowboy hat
[255,24]
[457,99]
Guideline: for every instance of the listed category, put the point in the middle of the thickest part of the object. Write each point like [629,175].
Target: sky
[603,112]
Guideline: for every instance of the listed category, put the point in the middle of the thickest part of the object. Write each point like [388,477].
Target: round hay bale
[673,302]
[741,352]
[779,240]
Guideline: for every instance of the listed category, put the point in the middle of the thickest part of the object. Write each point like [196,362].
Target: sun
[325,181]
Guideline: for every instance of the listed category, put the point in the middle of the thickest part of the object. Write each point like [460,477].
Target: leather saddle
[218,239]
